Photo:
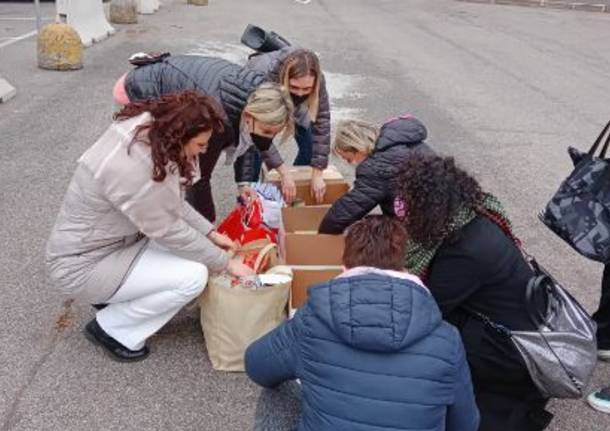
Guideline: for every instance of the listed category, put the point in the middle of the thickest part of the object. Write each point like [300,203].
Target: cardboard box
[313,249]
[305,277]
[314,258]
[302,219]
[302,175]
[335,183]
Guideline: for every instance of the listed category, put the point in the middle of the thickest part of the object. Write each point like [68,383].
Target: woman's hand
[289,187]
[223,241]
[247,194]
[318,186]
[238,269]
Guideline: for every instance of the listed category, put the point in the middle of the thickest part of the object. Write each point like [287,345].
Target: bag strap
[262,254]
[500,329]
[598,141]
[533,285]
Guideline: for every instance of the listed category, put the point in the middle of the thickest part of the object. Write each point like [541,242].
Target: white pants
[159,285]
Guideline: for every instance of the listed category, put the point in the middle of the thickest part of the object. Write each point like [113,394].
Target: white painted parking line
[18,38]
[24,18]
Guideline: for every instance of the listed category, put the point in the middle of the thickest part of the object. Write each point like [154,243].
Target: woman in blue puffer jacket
[370,347]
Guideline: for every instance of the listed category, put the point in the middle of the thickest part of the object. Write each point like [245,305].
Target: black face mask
[297,100]
[262,143]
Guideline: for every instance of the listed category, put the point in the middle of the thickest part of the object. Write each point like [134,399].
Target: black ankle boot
[118,352]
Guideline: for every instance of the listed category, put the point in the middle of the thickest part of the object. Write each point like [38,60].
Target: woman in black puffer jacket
[253,114]
[379,155]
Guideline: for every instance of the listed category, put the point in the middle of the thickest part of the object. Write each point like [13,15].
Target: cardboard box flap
[306,276]
[303,219]
[334,191]
[302,174]
[319,249]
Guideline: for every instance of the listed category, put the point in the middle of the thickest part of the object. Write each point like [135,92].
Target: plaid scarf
[419,257]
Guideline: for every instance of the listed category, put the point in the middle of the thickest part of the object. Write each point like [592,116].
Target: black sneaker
[118,352]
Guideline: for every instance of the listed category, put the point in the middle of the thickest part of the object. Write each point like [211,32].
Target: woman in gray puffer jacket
[125,237]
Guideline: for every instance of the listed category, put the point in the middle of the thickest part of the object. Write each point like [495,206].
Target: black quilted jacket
[227,82]
[375,176]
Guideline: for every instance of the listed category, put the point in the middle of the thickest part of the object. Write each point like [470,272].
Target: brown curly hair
[177,118]
[378,241]
[433,189]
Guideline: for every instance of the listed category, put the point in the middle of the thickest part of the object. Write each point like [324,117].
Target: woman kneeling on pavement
[378,154]
[461,244]
[370,347]
[125,237]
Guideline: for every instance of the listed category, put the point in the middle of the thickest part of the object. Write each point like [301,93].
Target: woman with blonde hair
[253,112]
[378,154]
[299,71]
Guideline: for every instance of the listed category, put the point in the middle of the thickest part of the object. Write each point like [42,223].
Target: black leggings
[602,315]
[200,194]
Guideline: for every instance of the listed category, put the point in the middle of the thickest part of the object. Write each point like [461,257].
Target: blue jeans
[304,138]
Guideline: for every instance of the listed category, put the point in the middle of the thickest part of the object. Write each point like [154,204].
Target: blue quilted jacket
[372,353]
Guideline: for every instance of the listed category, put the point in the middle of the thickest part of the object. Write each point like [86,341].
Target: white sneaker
[600,400]
[603,355]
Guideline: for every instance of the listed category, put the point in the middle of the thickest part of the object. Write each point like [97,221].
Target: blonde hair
[271,104]
[299,64]
[355,136]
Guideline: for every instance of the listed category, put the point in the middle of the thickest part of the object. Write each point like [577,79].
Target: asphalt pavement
[504,89]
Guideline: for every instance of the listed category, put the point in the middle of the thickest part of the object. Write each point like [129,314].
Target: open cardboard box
[335,183]
[306,276]
[314,258]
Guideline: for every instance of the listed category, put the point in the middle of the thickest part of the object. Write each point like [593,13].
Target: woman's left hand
[223,241]
[318,186]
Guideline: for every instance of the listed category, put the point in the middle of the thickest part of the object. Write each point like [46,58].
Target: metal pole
[38,19]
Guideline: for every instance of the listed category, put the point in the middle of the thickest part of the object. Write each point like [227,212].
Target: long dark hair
[177,118]
[433,190]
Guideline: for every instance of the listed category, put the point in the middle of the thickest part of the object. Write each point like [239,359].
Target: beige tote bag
[233,316]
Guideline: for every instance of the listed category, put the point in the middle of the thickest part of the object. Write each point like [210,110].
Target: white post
[38,18]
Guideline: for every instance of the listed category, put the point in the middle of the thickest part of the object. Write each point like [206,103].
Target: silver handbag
[561,353]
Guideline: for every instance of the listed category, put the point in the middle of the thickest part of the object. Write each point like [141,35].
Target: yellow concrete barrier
[198,2]
[59,48]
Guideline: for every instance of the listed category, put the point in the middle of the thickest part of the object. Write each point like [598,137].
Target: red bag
[245,224]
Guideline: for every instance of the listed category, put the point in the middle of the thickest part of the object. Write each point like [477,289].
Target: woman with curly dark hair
[461,244]
[125,238]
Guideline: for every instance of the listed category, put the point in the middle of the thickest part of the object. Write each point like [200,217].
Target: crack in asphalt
[63,321]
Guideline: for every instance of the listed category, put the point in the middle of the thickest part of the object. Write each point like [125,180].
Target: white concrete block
[7,91]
